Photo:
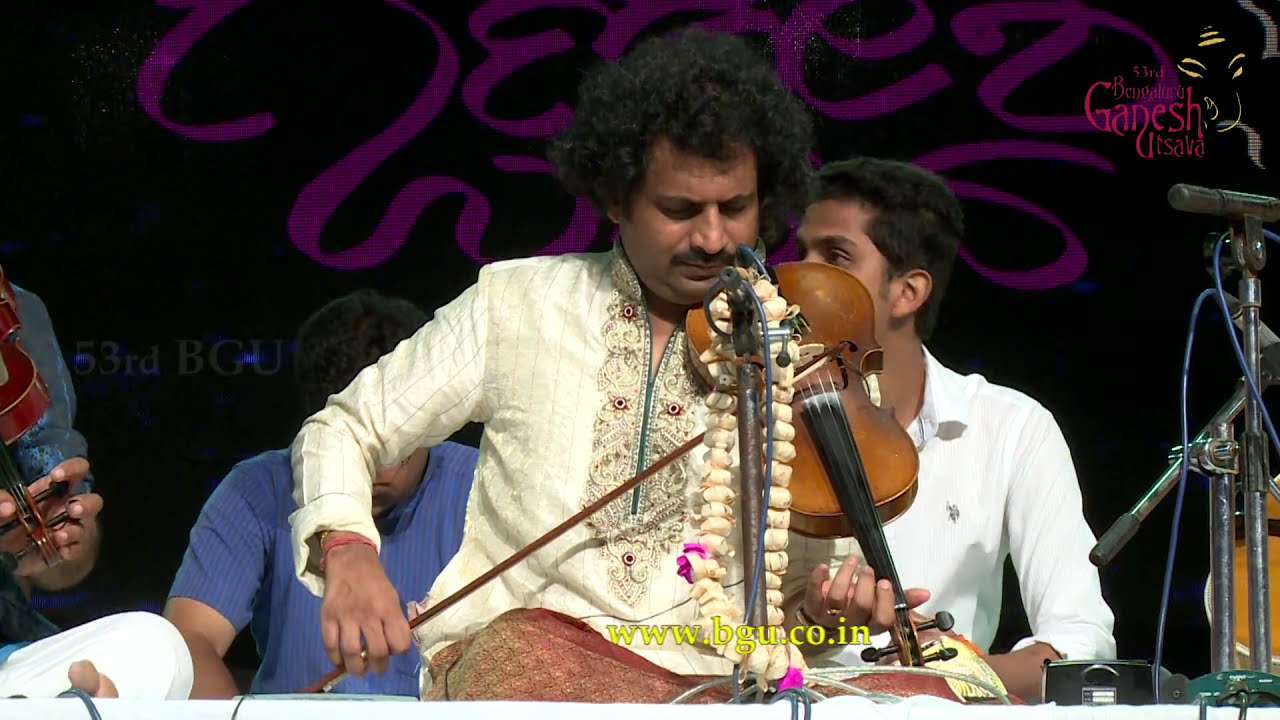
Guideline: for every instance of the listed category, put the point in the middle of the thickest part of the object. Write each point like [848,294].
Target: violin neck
[825,416]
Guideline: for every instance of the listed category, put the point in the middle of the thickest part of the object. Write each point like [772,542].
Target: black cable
[85,698]
[238,704]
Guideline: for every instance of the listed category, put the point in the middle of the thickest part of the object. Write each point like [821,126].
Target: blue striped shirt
[240,563]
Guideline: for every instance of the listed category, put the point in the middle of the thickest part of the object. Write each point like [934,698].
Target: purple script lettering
[1069,266]
[322,196]
[577,238]
[505,56]
[978,29]
[154,74]
[808,19]
[731,16]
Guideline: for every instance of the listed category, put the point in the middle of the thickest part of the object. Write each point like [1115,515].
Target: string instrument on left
[24,398]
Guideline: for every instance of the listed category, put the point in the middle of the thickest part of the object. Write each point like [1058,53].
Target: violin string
[829,409]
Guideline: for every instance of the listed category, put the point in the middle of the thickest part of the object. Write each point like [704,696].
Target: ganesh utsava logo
[1215,72]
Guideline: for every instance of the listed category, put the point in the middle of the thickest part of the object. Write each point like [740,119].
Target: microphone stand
[745,322]
[1215,452]
[1249,256]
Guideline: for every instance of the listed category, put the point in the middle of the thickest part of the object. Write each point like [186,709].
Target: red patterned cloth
[544,656]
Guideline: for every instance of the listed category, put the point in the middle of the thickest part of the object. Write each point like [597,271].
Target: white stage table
[842,708]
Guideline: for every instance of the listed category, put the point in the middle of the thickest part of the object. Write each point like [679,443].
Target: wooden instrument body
[836,309]
[24,398]
[9,320]
[1240,597]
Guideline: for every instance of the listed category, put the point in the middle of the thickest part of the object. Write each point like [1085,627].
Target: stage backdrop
[186,180]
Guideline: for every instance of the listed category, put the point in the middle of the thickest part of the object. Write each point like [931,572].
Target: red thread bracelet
[349,540]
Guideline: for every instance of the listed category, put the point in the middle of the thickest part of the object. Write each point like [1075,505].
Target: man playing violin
[996,477]
[238,569]
[128,654]
[577,366]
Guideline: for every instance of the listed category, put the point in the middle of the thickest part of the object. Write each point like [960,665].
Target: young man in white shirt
[996,477]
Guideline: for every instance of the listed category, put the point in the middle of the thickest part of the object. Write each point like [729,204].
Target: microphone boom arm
[1126,526]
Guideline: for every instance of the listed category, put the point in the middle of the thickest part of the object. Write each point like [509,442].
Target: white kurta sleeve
[1049,542]
[416,396]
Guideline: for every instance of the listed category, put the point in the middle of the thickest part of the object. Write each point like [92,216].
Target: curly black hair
[917,221]
[344,337]
[708,94]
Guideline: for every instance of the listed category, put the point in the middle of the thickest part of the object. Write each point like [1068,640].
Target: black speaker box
[1097,682]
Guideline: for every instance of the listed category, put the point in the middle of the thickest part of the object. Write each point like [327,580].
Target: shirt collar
[392,521]
[945,410]
[624,276]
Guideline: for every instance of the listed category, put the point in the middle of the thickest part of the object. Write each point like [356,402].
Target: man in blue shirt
[238,569]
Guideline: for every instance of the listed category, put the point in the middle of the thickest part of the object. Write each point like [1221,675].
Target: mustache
[723,259]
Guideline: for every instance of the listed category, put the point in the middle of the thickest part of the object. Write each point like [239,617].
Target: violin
[24,398]
[836,312]
[856,468]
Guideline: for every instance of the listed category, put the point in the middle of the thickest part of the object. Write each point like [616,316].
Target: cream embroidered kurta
[552,355]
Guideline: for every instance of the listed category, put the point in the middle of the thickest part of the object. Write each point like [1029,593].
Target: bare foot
[85,676]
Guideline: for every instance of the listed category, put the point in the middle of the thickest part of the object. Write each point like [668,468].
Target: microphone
[1207,201]
[736,290]
[741,298]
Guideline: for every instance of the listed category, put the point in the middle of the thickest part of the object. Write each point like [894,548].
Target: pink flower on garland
[793,679]
[684,568]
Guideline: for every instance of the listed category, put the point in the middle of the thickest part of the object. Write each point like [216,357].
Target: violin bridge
[872,384]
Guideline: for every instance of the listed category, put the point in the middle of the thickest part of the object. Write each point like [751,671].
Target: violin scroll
[941,621]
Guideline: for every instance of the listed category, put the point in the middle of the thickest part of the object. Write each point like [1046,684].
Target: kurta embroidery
[640,420]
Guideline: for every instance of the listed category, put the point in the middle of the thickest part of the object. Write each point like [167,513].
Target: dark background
[151,233]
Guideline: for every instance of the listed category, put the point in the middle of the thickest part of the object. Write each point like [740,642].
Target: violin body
[9,320]
[836,310]
[24,398]
[1240,561]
